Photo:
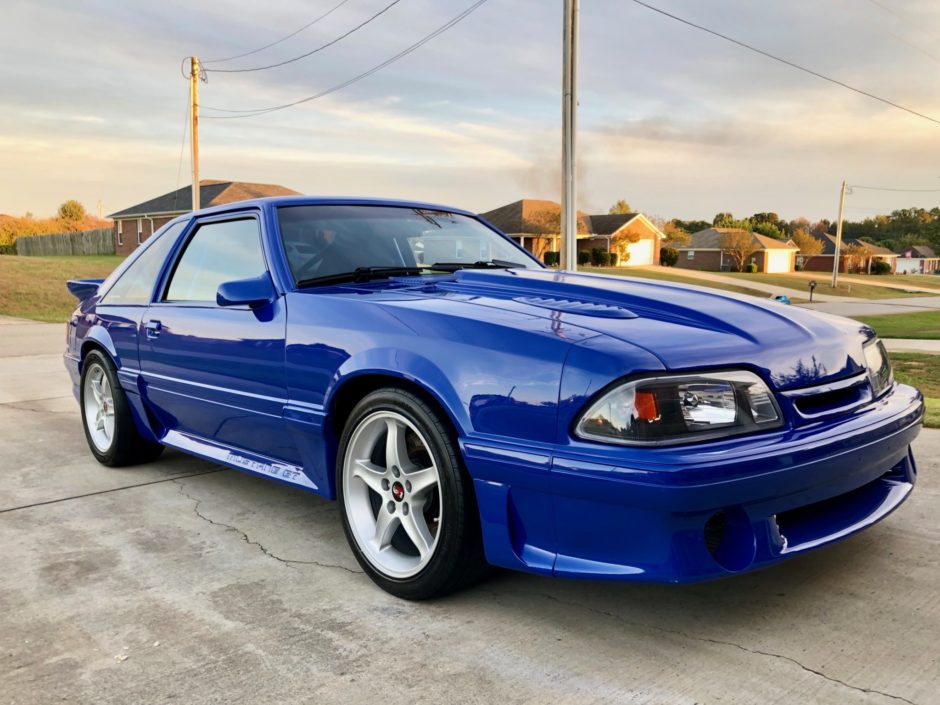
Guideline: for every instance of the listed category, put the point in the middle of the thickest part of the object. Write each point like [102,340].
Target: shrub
[596,254]
[798,267]
[751,268]
[552,259]
[7,249]
[583,257]
[613,258]
[668,256]
[880,267]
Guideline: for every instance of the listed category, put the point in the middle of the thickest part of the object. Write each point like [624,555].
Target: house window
[120,231]
[690,254]
[140,230]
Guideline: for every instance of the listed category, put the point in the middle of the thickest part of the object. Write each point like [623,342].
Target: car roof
[274,201]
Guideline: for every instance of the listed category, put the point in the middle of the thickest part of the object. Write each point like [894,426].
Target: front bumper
[699,512]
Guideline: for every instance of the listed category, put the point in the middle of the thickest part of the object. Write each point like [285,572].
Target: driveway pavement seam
[109,491]
[707,640]
[288,562]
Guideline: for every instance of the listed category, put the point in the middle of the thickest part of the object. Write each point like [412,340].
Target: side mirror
[254,292]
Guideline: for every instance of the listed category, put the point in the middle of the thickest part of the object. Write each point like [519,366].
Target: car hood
[685,327]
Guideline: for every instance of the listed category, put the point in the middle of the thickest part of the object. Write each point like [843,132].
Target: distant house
[704,252]
[135,224]
[918,259]
[823,261]
[534,224]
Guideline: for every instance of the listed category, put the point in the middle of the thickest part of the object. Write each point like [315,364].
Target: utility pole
[194,125]
[569,128]
[835,260]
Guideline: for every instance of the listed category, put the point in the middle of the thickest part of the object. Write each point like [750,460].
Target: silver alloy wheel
[391,485]
[99,407]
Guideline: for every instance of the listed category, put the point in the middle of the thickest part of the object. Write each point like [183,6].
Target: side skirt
[239,459]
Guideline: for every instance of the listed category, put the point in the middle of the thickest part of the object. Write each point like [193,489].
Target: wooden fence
[90,242]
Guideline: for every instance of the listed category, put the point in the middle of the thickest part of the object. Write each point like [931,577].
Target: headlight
[681,409]
[879,368]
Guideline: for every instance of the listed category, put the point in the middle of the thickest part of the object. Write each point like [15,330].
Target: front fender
[406,365]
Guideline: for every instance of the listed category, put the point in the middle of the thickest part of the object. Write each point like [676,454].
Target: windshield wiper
[480,264]
[360,274]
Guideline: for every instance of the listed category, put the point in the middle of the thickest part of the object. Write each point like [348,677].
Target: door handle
[153,329]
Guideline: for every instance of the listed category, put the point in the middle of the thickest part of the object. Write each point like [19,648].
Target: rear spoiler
[83,289]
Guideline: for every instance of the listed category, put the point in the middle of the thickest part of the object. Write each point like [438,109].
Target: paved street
[183,582]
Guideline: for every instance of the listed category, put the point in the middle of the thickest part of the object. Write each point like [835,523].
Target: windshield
[324,241]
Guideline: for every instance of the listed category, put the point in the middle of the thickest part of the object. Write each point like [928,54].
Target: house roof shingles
[609,224]
[710,239]
[211,193]
[515,217]
[829,246]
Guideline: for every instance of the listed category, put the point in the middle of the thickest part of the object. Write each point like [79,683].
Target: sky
[675,121]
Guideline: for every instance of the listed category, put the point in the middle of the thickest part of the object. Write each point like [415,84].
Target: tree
[691,226]
[676,236]
[808,244]
[668,257]
[72,211]
[822,227]
[544,225]
[769,229]
[853,254]
[723,220]
[621,207]
[739,245]
[620,241]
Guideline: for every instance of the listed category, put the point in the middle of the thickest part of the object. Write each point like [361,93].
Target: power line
[318,49]
[898,190]
[179,169]
[785,61]
[400,55]
[901,17]
[282,39]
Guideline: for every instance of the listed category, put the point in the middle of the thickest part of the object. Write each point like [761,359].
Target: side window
[136,283]
[217,253]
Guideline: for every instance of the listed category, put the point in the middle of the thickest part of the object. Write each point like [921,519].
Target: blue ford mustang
[468,407]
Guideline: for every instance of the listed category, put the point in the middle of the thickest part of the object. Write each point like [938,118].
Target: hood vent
[581,308]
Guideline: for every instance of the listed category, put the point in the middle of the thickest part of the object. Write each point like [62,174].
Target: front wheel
[408,510]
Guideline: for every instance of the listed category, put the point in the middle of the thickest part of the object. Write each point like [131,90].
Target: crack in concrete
[288,562]
[709,640]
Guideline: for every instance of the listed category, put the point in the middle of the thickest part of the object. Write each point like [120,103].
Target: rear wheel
[407,508]
[106,415]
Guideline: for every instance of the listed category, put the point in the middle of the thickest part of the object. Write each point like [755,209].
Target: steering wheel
[312,265]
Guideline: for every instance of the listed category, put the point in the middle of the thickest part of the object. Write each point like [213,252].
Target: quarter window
[135,285]
[217,253]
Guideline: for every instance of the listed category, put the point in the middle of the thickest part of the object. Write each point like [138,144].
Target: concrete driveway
[183,582]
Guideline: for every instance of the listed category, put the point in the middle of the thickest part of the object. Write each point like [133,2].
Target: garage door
[641,253]
[778,261]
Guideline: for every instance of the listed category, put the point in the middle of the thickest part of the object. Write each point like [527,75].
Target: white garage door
[641,253]
[778,261]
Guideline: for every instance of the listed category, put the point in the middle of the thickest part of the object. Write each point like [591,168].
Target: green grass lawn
[922,371]
[928,281]
[34,287]
[845,288]
[658,274]
[923,326]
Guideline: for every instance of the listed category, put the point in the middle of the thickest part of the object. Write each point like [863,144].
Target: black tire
[127,446]
[458,560]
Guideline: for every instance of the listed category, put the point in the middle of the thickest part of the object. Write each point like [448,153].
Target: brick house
[823,261]
[135,224]
[918,259]
[704,252]
[533,224]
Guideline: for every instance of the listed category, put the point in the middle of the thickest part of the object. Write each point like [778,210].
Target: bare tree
[739,245]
